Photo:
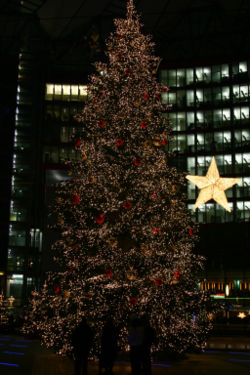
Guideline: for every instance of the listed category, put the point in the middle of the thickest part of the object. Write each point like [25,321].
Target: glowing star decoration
[241,315]
[212,186]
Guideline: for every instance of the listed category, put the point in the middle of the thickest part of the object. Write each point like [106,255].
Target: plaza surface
[229,356]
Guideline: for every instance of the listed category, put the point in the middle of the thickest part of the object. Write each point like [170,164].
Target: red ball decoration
[154,194]
[156,230]
[158,281]
[56,289]
[120,56]
[133,301]
[164,142]
[119,36]
[137,162]
[127,72]
[158,96]
[164,89]
[99,219]
[108,273]
[78,143]
[145,95]
[144,125]
[75,199]
[101,92]
[190,232]
[177,274]
[127,205]
[119,142]
[101,123]
[74,179]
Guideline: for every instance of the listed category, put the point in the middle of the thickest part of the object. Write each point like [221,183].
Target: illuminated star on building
[212,186]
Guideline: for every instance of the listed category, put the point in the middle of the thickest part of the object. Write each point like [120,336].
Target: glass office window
[243,67]
[243,210]
[164,77]
[190,98]
[181,79]
[189,76]
[190,120]
[224,71]
[181,98]
[243,187]
[171,98]
[172,77]
[203,74]
[221,117]
[83,90]
[177,121]
[17,237]
[216,73]
[200,142]
[191,143]
[15,286]
[200,118]
[242,138]
[199,97]
[66,92]
[208,96]
[242,163]
[191,165]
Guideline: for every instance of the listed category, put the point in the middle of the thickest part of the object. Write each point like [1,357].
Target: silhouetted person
[82,339]
[108,347]
[140,339]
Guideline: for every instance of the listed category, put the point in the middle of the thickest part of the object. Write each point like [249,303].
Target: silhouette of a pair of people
[140,339]
[82,340]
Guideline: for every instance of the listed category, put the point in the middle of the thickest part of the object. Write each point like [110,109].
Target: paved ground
[224,356]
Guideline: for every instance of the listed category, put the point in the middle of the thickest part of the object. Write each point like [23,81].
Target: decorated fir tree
[126,238]
[4,315]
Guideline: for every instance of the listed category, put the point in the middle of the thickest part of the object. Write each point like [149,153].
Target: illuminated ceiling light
[212,186]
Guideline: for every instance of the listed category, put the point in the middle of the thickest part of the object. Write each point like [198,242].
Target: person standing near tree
[108,347]
[82,339]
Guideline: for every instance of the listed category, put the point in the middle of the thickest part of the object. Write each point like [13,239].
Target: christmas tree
[126,238]
[4,316]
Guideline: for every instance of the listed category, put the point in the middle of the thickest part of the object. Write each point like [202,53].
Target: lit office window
[172,77]
[189,76]
[243,67]
[190,98]
[58,90]
[242,138]
[66,90]
[203,74]
[74,92]
[243,187]
[191,165]
[224,71]
[243,210]
[181,77]
[83,90]
[191,143]
[49,90]
[199,97]
[190,120]
[164,77]
[14,286]
[200,118]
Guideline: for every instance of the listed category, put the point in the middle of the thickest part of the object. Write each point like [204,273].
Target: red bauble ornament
[78,143]
[164,89]
[127,205]
[75,199]
[127,72]
[120,56]
[158,96]
[156,230]
[119,36]
[145,95]
[95,101]
[101,123]
[164,142]
[56,289]
[137,162]
[101,92]
[158,281]
[190,231]
[108,273]
[119,142]
[74,179]
[154,194]
[144,125]
[133,301]
[99,219]
[177,274]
